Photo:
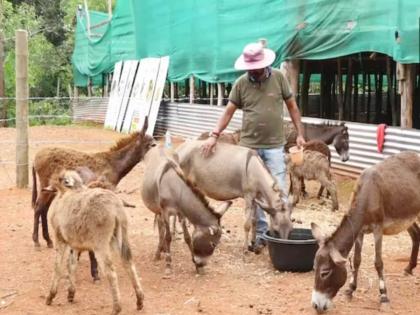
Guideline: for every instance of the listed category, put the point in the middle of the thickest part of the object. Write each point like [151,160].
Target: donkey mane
[252,153]
[197,192]
[121,143]
[328,123]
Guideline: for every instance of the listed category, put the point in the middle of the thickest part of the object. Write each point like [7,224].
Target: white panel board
[114,102]
[132,68]
[147,81]
[157,94]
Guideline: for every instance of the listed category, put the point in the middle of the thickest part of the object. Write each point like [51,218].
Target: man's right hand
[209,146]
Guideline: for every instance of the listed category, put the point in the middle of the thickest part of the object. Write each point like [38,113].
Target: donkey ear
[336,256]
[317,233]
[145,125]
[221,210]
[261,203]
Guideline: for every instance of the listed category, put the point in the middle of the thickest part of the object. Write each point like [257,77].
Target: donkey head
[279,210]
[206,238]
[330,272]
[65,180]
[144,142]
[341,143]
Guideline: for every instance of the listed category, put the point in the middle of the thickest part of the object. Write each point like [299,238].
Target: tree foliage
[50,25]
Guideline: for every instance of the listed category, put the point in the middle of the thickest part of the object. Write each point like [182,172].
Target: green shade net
[95,56]
[204,37]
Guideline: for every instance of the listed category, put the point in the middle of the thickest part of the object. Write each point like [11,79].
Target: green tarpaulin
[204,37]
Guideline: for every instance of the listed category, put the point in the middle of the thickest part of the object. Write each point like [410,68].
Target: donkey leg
[249,216]
[35,237]
[356,264]
[303,188]
[161,229]
[93,266]
[414,232]
[131,270]
[45,233]
[320,191]
[330,186]
[296,190]
[187,236]
[71,266]
[107,267]
[61,249]
[379,265]
[167,248]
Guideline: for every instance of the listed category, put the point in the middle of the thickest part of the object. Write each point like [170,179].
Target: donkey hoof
[408,272]
[37,245]
[168,273]
[49,299]
[140,299]
[50,244]
[70,296]
[348,294]
[385,306]
[199,270]
[116,309]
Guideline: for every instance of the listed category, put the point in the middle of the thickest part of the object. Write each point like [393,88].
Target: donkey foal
[89,219]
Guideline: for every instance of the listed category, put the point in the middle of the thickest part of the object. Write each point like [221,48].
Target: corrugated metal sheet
[90,109]
[190,120]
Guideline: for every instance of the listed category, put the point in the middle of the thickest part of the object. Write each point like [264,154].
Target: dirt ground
[233,283]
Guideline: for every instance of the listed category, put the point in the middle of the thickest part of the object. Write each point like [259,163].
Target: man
[260,93]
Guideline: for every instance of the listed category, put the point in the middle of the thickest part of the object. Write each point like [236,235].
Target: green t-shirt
[262,106]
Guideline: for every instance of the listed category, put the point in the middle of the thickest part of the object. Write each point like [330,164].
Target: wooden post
[407,77]
[192,89]
[22,95]
[172,92]
[293,70]
[211,93]
[219,94]
[110,9]
[348,91]
[340,91]
[3,103]
[305,89]
[87,18]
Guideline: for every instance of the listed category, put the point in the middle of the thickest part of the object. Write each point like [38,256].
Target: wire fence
[42,111]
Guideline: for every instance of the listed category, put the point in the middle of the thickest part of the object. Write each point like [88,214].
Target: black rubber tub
[294,254]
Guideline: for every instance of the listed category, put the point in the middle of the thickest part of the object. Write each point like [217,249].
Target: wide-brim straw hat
[255,56]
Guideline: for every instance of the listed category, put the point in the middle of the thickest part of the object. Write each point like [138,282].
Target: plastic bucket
[295,254]
[296,155]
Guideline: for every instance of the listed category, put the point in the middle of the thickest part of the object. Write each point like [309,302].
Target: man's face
[256,73]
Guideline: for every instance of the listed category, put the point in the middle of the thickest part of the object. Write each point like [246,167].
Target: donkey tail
[121,235]
[34,187]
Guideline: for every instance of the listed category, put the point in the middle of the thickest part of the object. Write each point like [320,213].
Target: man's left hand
[300,141]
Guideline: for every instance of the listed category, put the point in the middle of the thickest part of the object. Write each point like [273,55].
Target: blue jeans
[274,160]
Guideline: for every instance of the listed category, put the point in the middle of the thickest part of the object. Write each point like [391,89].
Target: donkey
[166,192]
[89,219]
[228,137]
[315,166]
[237,172]
[111,165]
[336,134]
[385,202]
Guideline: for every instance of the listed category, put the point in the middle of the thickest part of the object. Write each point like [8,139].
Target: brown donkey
[385,202]
[111,165]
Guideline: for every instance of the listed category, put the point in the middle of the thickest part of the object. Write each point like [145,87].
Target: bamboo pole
[172,92]
[407,80]
[22,95]
[192,89]
[3,113]
[211,93]
[219,94]
[87,17]
[340,91]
